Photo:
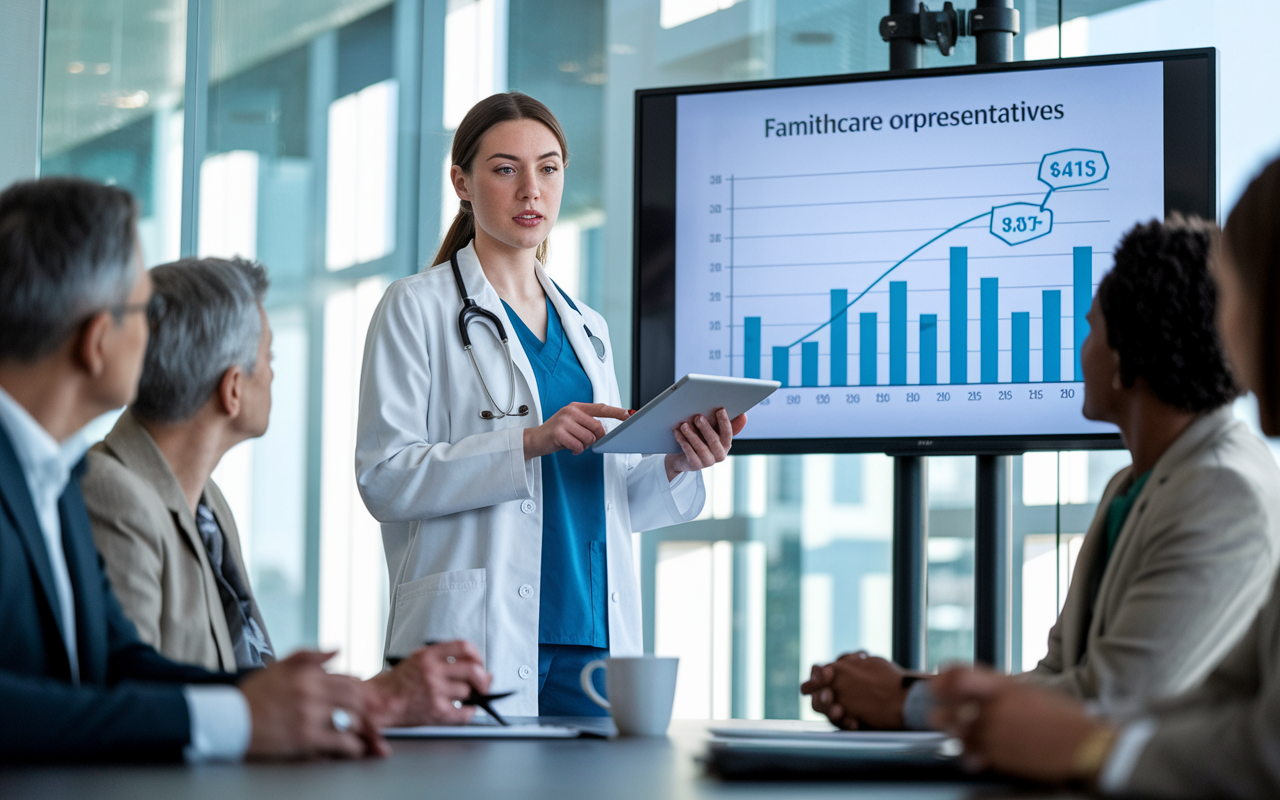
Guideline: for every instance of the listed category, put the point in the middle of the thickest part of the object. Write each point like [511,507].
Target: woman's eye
[506,170]
[550,168]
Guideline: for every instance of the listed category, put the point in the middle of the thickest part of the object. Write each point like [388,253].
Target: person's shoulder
[111,490]
[1236,451]
[431,288]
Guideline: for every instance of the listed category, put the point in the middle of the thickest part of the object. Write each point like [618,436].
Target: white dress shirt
[220,721]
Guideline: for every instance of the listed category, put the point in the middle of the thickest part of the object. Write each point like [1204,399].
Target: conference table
[557,769]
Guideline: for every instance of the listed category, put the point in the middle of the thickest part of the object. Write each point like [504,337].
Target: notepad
[482,731]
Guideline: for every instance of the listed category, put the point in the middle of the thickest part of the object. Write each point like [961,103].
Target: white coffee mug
[641,690]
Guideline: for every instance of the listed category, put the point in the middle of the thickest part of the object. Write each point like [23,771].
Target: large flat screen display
[911,256]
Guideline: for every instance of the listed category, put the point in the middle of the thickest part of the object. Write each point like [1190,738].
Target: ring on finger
[457,704]
[450,660]
[341,720]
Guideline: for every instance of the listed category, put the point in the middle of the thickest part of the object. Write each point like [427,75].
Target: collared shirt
[47,467]
[220,718]
[1119,510]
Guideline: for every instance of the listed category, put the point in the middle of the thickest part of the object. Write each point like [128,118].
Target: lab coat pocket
[439,608]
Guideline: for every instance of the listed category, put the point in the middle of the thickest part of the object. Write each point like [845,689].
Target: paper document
[482,732]
[775,733]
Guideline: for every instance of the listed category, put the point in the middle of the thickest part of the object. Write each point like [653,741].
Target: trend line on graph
[1058,170]
[885,274]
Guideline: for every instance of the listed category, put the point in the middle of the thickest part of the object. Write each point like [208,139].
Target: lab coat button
[614,597]
[528,506]
[608,506]
[526,590]
[525,672]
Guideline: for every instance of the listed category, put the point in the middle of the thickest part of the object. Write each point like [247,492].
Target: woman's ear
[459,180]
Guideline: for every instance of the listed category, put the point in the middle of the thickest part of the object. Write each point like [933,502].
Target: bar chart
[1050,353]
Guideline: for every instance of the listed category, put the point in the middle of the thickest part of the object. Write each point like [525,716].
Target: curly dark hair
[1159,302]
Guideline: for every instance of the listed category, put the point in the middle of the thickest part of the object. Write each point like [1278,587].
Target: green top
[1119,509]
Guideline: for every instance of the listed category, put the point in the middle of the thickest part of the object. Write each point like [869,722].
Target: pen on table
[475,698]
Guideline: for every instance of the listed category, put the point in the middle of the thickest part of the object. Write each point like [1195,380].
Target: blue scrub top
[571,607]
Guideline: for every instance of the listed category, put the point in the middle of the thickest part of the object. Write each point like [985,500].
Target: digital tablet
[649,430]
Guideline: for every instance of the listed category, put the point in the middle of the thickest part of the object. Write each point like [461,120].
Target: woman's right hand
[574,428]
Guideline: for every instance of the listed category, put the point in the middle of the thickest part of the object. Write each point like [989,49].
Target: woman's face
[1236,323]
[515,183]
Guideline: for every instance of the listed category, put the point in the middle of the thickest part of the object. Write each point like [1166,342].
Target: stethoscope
[471,310]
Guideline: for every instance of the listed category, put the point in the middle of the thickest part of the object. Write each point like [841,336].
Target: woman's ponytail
[461,232]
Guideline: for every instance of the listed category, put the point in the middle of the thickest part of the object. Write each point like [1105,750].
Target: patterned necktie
[248,639]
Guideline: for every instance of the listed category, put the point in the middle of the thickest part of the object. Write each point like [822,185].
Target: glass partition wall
[313,137]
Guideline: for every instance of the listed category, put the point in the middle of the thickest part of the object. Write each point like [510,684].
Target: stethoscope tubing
[470,309]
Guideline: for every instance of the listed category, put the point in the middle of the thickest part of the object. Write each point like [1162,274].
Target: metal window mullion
[195,126]
[322,71]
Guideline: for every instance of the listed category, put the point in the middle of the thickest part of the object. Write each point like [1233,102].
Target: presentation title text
[992,115]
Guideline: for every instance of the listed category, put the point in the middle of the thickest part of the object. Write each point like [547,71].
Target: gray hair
[205,319]
[67,250]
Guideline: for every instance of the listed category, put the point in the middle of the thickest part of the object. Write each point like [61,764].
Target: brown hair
[491,111]
[1251,244]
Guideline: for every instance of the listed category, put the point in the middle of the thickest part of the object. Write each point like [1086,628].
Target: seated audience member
[75,680]
[1221,738]
[165,532]
[1185,540]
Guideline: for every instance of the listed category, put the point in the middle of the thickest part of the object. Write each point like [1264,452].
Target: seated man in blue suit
[75,680]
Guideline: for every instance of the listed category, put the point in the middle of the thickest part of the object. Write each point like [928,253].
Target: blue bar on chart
[808,363]
[781,364]
[839,337]
[751,347]
[990,328]
[1051,336]
[959,315]
[1021,347]
[1081,298]
[867,349]
[897,333]
[928,349]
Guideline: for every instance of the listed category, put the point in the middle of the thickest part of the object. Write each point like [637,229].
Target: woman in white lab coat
[500,525]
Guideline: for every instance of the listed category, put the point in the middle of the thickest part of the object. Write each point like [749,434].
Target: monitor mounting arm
[994,24]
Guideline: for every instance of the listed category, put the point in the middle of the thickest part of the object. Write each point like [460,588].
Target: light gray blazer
[154,555]
[1222,738]
[1192,564]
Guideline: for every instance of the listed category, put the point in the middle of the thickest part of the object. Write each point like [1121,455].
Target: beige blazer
[155,559]
[1221,739]
[1192,564]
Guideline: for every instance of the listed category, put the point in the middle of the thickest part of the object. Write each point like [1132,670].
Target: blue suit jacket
[129,704]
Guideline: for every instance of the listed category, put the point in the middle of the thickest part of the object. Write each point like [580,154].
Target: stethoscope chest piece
[522,411]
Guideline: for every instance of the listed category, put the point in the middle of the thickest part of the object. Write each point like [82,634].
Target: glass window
[114,79]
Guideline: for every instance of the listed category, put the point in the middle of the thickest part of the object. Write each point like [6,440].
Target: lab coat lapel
[572,322]
[487,297]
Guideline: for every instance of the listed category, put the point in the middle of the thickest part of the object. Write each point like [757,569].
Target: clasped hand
[858,691]
[577,426]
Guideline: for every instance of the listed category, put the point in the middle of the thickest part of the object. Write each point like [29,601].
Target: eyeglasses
[124,309]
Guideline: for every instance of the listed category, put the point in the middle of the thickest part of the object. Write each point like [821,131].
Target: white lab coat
[460,505]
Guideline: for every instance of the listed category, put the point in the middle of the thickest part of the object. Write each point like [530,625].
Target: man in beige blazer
[1184,543]
[155,557]
[165,532]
